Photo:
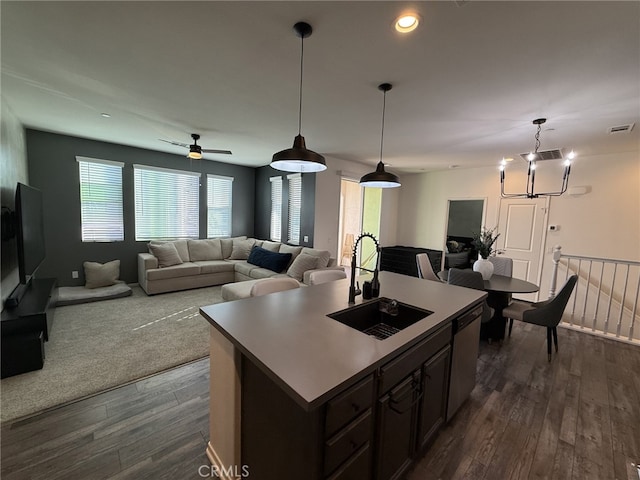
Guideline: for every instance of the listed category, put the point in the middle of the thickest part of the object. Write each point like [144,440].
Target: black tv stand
[26,327]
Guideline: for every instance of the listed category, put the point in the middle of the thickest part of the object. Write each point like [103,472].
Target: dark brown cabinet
[372,430]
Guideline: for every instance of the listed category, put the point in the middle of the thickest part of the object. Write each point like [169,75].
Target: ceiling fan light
[195,152]
[298,158]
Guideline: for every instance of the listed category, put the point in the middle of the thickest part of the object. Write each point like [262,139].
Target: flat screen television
[30,231]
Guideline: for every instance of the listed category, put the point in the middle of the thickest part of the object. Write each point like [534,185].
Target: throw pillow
[294,251]
[241,249]
[210,249]
[101,275]
[301,264]
[273,261]
[181,247]
[271,246]
[323,256]
[227,245]
[166,253]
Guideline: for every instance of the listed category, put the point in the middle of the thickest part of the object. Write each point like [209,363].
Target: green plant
[483,241]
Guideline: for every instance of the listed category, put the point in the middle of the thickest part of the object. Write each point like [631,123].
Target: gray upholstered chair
[425,269]
[547,314]
[272,285]
[502,265]
[470,279]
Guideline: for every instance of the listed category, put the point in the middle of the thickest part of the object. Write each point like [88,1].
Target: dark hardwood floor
[577,417]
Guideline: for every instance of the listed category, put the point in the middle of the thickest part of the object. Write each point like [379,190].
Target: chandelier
[532,158]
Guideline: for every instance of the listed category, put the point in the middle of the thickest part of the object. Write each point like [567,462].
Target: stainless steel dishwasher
[466,344]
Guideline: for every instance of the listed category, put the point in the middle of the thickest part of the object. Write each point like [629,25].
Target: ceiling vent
[555,154]
[621,128]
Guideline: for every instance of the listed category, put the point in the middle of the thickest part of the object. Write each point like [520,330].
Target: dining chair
[547,313]
[425,269]
[504,266]
[470,279]
[272,285]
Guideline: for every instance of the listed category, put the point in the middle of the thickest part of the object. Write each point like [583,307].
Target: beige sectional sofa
[185,264]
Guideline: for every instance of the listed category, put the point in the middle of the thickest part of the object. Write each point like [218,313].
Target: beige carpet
[96,346]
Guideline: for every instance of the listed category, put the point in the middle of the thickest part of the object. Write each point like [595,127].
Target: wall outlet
[306,238]
[74,274]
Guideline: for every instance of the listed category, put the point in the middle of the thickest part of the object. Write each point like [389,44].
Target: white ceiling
[467,83]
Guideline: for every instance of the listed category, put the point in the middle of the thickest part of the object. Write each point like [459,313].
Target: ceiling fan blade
[208,150]
[175,143]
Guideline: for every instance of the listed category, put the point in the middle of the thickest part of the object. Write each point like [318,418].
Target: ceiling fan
[195,150]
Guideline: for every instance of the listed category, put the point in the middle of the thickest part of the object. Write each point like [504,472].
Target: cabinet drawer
[397,369]
[347,441]
[348,405]
[358,467]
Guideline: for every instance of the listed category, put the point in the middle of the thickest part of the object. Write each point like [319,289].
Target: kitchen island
[297,394]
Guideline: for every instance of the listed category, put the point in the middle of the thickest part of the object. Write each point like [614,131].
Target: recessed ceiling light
[105,115]
[407,22]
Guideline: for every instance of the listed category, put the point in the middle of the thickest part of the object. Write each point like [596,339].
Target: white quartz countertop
[311,356]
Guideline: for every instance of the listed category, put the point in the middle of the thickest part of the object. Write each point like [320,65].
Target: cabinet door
[396,428]
[435,383]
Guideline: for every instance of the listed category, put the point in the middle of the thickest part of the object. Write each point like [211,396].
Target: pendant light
[532,158]
[380,178]
[299,158]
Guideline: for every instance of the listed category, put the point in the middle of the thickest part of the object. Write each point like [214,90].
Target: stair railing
[605,300]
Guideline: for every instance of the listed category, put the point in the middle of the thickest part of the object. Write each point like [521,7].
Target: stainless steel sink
[380,318]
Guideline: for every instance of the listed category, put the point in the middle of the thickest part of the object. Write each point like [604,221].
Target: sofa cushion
[301,264]
[241,249]
[209,249]
[323,255]
[166,253]
[274,261]
[214,266]
[101,275]
[271,246]
[244,268]
[183,270]
[261,273]
[227,245]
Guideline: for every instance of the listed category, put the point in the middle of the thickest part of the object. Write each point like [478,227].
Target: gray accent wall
[52,167]
[263,204]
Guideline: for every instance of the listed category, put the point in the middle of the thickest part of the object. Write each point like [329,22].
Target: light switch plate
[74,274]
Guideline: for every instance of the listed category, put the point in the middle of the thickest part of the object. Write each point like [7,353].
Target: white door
[522,223]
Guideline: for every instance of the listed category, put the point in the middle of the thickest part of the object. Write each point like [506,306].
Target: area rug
[97,346]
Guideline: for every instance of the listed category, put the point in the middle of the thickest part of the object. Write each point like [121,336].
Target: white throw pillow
[301,264]
[322,255]
[101,275]
[166,253]
[227,245]
[271,246]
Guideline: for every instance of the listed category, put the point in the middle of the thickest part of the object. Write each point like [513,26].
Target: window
[101,200]
[276,209]
[166,203]
[219,190]
[295,208]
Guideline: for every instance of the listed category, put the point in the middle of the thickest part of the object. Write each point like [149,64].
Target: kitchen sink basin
[381,317]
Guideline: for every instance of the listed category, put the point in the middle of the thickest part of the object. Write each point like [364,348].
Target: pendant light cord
[384,105]
[537,139]
[301,73]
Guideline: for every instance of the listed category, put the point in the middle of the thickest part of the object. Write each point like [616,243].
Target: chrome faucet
[375,283]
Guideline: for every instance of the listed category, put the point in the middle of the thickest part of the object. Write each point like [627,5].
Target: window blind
[101,200]
[166,203]
[219,195]
[295,208]
[276,209]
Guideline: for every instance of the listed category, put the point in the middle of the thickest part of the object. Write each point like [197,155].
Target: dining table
[500,289]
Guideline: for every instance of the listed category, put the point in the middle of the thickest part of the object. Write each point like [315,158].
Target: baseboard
[219,470]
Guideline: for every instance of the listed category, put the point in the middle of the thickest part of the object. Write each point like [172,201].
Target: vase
[484,266]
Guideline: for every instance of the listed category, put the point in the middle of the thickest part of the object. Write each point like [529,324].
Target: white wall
[603,223]
[328,205]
